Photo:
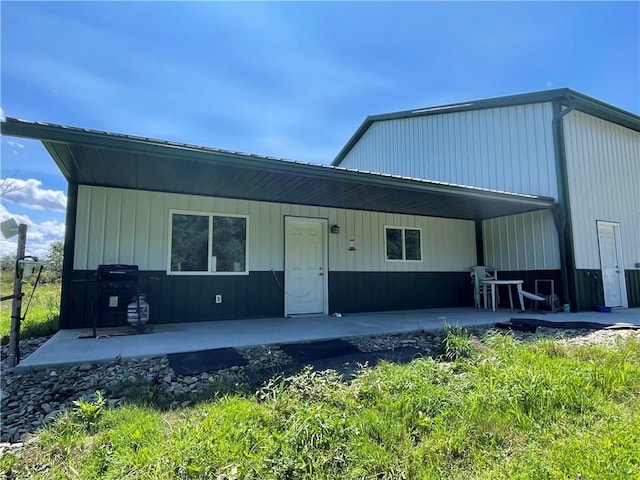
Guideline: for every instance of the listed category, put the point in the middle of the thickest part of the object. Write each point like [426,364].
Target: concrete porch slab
[66,347]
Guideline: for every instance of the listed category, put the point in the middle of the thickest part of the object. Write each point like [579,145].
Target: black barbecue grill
[117,285]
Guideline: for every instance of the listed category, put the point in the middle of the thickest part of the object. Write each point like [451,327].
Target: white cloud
[2,116]
[29,193]
[15,146]
[39,235]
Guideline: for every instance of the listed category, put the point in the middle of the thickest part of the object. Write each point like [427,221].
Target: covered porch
[142,166]
[68,347]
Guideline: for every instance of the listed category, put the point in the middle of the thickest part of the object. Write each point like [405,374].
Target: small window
[394,244]
[189,243]
[403,244]
[207,243]
[412,244]
[230,243]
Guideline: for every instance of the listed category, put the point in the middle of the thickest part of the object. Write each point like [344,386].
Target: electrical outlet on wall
[218,298]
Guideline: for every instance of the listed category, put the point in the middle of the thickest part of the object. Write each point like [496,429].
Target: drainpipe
[561,210]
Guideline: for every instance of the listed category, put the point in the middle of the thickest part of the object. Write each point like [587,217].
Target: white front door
[611,264]
[305,269]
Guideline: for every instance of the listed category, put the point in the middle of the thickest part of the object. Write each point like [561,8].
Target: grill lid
[117,272]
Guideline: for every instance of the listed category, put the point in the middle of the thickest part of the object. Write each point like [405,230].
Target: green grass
[500,410]
[43,315]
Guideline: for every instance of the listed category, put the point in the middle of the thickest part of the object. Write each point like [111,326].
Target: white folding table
[494,283]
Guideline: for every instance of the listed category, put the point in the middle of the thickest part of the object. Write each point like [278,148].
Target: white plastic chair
[479,273]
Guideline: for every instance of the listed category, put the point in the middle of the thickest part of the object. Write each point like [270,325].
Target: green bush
[457,344]
[89,413]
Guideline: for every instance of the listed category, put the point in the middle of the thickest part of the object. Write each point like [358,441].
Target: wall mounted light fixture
[335,229]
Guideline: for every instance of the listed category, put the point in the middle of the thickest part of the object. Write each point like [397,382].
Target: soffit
[112,160]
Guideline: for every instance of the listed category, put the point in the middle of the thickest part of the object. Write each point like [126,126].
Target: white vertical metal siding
[603,173]
[127,226]
[118,226]
[527,241]
[506,148]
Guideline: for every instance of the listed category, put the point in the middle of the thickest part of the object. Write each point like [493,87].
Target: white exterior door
[611,263]
[305,269]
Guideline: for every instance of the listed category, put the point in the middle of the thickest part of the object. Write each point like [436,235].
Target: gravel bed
[32,399]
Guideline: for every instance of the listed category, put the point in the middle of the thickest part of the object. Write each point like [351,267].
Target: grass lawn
[43,315]
[495,409]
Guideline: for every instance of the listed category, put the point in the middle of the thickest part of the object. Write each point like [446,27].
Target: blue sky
[291,80]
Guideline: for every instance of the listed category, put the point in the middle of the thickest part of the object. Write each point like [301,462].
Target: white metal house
[542,186]
[579,151]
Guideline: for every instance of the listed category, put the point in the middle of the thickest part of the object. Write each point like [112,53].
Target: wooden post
[16,304]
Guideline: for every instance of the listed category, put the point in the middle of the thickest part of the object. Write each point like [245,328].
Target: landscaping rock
[85,367]
[30,400]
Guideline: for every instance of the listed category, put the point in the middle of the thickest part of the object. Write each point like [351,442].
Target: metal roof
[583,103]
[91,157]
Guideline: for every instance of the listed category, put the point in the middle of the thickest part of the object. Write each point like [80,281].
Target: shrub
[457,344]
[89,413]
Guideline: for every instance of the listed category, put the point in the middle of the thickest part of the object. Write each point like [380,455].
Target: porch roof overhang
[90,157]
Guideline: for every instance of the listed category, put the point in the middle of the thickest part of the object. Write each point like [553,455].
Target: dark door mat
[308,352]
[191,363]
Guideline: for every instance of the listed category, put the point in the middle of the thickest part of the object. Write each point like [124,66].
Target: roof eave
[62,143]
[584,103]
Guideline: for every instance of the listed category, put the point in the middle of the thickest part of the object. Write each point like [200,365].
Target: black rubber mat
[517,327]
[346,365]
[308,352]
[191,363]
[535,322]
[351,362]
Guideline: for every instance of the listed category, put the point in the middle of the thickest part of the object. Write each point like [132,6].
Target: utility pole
[16,304]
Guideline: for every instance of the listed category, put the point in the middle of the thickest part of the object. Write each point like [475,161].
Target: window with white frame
[403,243]
[207,243]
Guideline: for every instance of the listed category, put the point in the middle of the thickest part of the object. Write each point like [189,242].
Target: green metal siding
[351,292]
[632,278]
[178,299]
[588,289]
